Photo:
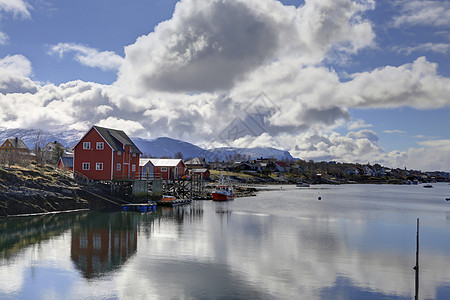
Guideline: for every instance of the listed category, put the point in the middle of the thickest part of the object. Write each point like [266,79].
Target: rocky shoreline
[39,189]
[42,189]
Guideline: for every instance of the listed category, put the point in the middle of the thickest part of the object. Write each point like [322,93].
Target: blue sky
[351,80]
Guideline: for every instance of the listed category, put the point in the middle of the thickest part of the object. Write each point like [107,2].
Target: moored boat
[223,192]
[428,186]
[168,198]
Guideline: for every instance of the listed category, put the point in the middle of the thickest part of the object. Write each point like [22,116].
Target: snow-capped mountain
[167,147]
[160,147]
[67,138]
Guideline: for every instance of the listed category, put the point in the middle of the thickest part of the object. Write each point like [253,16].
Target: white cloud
[425,47]
[394,131]
[422,12]
[443,144]
[106,60]
[14,75]
[352,125]
[414,84]
[131,127]
[200,50]
[18,8]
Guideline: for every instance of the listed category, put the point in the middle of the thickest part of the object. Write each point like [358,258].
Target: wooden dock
[173,202]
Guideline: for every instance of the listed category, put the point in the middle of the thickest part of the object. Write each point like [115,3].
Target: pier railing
[136,176]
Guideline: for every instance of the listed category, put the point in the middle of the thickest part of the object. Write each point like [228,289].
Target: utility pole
[417,262]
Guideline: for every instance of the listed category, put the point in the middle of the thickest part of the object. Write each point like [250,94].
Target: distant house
[163,168]
[366,171]
[14,144]
[245,166]
[106,154]
[352,171]
[195,163]
[51,146]
[201,172]
[281,166]
[65,163]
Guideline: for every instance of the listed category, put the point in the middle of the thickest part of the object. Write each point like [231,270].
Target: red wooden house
[163,168]
[106,154]
[65,163]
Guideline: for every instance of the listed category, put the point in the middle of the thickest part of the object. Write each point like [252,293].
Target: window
[119,152]
[100,145]
[119,167]
[97,241]
[133,168]
[99,166]
[163,169]
[87,145]
[86,166]
[134,154]
[83,241]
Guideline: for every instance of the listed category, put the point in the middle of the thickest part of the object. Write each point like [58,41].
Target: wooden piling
[416,268]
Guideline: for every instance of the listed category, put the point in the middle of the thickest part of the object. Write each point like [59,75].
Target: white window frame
[100,145]
[119,152]
[134,154]
[133,168]
[86,166]
[99,166]
[86,145]
[119,167]
[163,169]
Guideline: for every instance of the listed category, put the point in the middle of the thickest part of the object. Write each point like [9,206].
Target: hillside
[42,189]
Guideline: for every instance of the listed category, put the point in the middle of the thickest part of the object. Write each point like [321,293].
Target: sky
[361,81]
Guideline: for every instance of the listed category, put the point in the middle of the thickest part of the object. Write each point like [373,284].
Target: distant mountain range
[160,147]
[168,147]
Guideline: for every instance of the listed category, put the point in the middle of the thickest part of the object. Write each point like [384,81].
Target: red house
[65,163]
[163,168]
[106,154]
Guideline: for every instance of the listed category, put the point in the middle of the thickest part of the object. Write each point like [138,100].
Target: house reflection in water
[103,242]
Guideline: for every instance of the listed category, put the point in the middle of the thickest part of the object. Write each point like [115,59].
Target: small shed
[65,163]
[202,172]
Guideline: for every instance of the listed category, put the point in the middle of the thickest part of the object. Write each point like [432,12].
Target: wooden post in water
[417,262]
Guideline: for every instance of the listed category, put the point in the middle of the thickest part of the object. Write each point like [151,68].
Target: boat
[447,199]
[302,184]
[428,186]
[223,192]
[168,198]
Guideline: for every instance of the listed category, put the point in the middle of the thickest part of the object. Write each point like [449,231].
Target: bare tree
[179,155]
[38,146]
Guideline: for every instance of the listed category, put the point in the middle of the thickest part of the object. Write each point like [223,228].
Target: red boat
[224,192]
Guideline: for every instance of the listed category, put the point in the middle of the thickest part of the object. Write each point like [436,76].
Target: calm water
[358,242]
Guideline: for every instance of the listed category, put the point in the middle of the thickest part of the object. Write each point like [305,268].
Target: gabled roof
[160,162]
[143,161]
[112,136]
[196,161]
[17,143]
[282,164]
[199,170]
[117,139]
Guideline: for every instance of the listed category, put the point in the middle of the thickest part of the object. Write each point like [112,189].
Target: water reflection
[278,245]
[19,233]
[103,242]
